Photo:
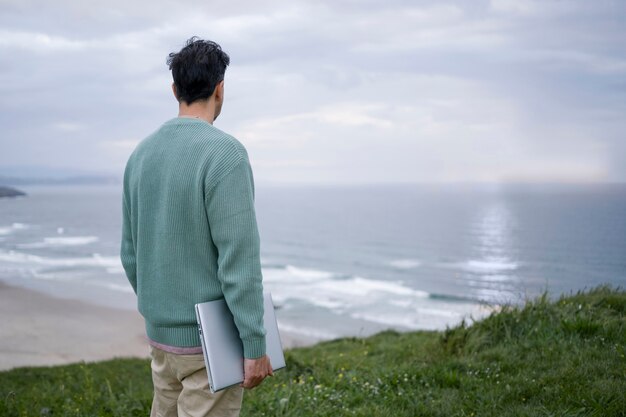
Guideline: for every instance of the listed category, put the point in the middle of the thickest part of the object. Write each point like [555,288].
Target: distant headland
[10,192]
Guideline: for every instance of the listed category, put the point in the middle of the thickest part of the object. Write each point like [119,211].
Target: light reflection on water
[493,275]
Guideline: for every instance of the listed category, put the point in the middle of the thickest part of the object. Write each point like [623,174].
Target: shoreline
[42,330]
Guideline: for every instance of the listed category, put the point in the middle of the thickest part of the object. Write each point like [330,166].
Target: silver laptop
[223,351]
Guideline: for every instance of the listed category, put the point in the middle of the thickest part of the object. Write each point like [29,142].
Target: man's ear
[174,91]
[219,91]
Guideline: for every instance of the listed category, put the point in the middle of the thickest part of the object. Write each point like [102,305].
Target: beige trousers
[181,388]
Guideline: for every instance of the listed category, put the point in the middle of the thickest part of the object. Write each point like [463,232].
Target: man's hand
[255,371]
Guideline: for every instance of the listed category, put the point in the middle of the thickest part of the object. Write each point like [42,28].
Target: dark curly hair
[197,69]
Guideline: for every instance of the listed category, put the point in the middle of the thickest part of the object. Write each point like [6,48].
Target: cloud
[330,91]
[68,126]
[127,145]
[558,60]
[523,7]
[38,42]
[338,114]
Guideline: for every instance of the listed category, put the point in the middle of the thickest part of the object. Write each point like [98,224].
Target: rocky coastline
[10,192]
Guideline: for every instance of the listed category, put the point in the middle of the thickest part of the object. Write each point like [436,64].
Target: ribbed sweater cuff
[180,336]
[253,348]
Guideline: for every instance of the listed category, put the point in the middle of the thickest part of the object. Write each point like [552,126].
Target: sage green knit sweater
[189,232]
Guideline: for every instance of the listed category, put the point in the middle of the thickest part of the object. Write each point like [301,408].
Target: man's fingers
[251,383]
[255,371]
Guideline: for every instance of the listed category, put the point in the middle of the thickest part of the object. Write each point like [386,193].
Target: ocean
[352,260]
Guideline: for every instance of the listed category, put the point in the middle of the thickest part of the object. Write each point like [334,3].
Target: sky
[331,92]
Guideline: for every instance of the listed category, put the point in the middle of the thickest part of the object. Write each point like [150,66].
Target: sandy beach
[40,330]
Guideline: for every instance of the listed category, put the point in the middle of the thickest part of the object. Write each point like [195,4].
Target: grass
[546,358]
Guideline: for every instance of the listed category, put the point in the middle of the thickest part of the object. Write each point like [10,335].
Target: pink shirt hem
[175,349]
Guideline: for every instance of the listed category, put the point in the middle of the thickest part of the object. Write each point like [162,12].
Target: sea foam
[405,263]
[307,331]
[26,258]
[361,287]
[51,242]
[334,291]
[7,230]
[125,288]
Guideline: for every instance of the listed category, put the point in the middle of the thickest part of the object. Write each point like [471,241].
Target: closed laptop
[223,351]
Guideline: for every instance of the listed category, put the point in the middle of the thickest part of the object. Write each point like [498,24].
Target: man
[190,235]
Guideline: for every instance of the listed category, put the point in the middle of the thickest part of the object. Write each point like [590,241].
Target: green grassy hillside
[547,358]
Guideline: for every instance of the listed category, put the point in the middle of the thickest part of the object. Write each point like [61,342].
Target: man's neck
[204,110]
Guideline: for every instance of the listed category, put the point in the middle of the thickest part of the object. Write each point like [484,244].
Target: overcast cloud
[329,91]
